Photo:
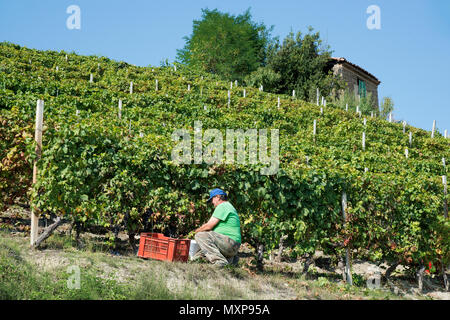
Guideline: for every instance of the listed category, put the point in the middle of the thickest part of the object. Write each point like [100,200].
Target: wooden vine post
[364,141]
[317,96]
[260,258]
[347,271]
[444,267]
[38,139]
[280,248]
[314,130]
[444,182]
[433,129]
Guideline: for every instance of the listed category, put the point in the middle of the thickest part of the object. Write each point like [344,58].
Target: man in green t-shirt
[220,238]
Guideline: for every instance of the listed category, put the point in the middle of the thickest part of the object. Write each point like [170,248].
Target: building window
[362,88]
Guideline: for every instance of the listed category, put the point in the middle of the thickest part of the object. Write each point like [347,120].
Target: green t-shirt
[229,224]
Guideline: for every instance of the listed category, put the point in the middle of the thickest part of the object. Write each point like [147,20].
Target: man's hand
[209,225]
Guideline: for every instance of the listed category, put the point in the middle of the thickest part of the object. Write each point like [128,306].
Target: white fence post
[317,94]
[433,129]
[364,141]
[347,255]
[444,182]
[314,129]
[38,150]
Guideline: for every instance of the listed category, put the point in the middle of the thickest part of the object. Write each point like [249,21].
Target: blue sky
[409,54]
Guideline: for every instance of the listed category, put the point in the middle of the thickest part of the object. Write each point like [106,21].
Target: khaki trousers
[216,248]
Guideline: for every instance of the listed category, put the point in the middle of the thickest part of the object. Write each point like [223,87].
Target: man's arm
[209,225]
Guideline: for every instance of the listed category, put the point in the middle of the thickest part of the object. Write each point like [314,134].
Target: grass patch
[43,274]
[19,280]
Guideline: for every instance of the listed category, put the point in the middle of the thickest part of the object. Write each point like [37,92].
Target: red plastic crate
[157,246]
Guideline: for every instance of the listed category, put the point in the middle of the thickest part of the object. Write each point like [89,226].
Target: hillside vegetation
[101,170]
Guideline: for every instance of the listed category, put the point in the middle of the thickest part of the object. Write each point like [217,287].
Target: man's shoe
[233,260]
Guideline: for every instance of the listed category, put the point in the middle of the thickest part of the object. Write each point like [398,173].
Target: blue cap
[215,192]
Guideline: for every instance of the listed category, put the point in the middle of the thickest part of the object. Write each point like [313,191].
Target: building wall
[350,75]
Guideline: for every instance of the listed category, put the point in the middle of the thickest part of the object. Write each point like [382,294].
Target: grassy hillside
[99,169]
[40,275]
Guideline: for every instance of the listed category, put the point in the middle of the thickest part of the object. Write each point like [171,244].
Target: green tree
[300,63]
[348,99]
[386,107]
[227,45]
[264,76]
[344,99]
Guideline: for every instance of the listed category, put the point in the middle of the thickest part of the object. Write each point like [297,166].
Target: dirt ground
[281,280]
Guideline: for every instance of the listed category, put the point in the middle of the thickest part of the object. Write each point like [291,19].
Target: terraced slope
[101,169]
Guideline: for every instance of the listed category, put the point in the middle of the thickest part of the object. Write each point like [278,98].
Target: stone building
[357,79]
